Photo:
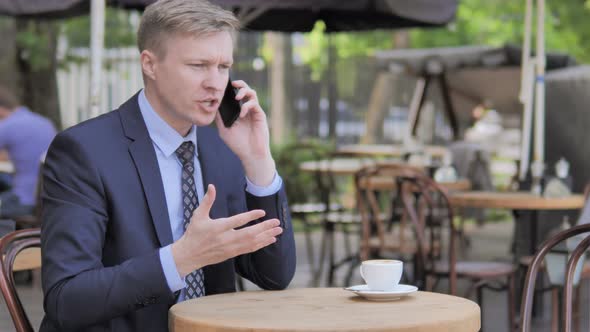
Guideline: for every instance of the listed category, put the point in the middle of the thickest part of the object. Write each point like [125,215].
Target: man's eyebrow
[207,61]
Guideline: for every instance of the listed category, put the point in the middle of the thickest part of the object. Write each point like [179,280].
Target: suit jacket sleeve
[271,267]
[78,289]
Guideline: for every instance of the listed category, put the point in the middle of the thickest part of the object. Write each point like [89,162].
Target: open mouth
[210,103]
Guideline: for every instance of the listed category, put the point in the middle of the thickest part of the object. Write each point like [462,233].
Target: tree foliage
[119,30]
[478,22]
[314,51]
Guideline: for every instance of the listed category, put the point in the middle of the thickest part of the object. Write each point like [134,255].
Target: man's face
[189,81]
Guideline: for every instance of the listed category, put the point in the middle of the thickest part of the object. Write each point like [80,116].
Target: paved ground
[488,242]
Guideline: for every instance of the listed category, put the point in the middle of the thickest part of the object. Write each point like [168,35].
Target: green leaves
[34,42]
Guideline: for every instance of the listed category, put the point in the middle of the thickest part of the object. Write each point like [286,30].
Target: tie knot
[186,152]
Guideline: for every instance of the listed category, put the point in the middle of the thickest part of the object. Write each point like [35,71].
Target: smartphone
[230,108]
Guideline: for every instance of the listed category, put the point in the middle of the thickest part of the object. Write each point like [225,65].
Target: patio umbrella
[259,15]
[277,15]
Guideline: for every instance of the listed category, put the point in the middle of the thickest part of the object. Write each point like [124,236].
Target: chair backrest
[531,276]
[428,206]
[10,245]
[377,191]
[423,202]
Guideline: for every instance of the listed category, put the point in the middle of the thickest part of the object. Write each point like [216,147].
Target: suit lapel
[144,157]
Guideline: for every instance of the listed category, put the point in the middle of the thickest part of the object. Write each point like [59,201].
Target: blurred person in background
[24,136]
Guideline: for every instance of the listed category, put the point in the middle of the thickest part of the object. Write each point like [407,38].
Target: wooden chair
[524,264]
[312,202]
[11,245]
[384,227]
[428,208]
[535,266]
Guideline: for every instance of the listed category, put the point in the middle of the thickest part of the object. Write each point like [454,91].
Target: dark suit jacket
[105,218]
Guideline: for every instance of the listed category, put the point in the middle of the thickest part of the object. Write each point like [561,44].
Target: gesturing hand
[208,241]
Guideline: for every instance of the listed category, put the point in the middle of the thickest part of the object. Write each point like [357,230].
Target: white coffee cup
[382,274]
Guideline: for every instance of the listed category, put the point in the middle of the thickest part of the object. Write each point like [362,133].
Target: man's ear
[148,63]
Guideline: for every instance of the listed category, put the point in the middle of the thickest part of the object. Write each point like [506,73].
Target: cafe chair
[428,208]
[10,246]
[524,265]
[311,200]
[536,265]
[385,229]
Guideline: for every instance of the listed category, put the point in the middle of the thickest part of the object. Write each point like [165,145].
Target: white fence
[121,79]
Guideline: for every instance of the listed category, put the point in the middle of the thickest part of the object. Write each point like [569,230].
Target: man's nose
[215,80]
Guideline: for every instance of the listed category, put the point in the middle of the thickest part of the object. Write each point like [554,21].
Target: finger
[251,105]
[273,232]
[239,84]
[247,94]
[242,93]
[256,230]
[265,243]
[207,202]
[241,219]
[247,244]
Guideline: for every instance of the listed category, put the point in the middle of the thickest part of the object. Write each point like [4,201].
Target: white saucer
[399,292]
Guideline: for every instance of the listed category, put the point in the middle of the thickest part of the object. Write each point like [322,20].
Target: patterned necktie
[186,153]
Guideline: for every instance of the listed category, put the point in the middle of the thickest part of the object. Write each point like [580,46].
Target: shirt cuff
[271,189]
[175,282]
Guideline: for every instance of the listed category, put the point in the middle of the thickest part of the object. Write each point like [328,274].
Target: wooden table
[6,166]
[349,166]
[514,201]
[388,150]
[323,310]
[387,183]
[521,200]
[518,201]
[28,259]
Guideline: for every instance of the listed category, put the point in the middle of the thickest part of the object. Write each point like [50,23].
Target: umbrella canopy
[278,15]
[43,8]
[473,74]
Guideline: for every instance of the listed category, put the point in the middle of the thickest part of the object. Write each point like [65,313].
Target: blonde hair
[164,18]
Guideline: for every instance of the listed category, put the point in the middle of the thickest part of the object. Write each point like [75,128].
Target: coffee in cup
[382,274]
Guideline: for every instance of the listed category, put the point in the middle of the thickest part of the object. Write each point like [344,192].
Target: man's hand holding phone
[248,136]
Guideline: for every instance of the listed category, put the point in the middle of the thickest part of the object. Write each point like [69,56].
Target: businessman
[148,205]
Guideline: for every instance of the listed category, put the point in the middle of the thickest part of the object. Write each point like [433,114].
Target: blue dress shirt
[26,136]
[166,140]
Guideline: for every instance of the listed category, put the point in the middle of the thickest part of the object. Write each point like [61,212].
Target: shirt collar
[162,134]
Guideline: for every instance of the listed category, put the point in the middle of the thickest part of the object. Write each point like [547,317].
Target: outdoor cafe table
[27,259]
[516,201]
[343,166]
[6,166]
[323,310]
[388,150]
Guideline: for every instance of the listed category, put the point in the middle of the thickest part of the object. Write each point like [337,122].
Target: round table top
[338,166]
[27,259]
[6,166]
[346,166]
[349,166]
[388,183]
[323,309]
[514,200]
[388,150]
